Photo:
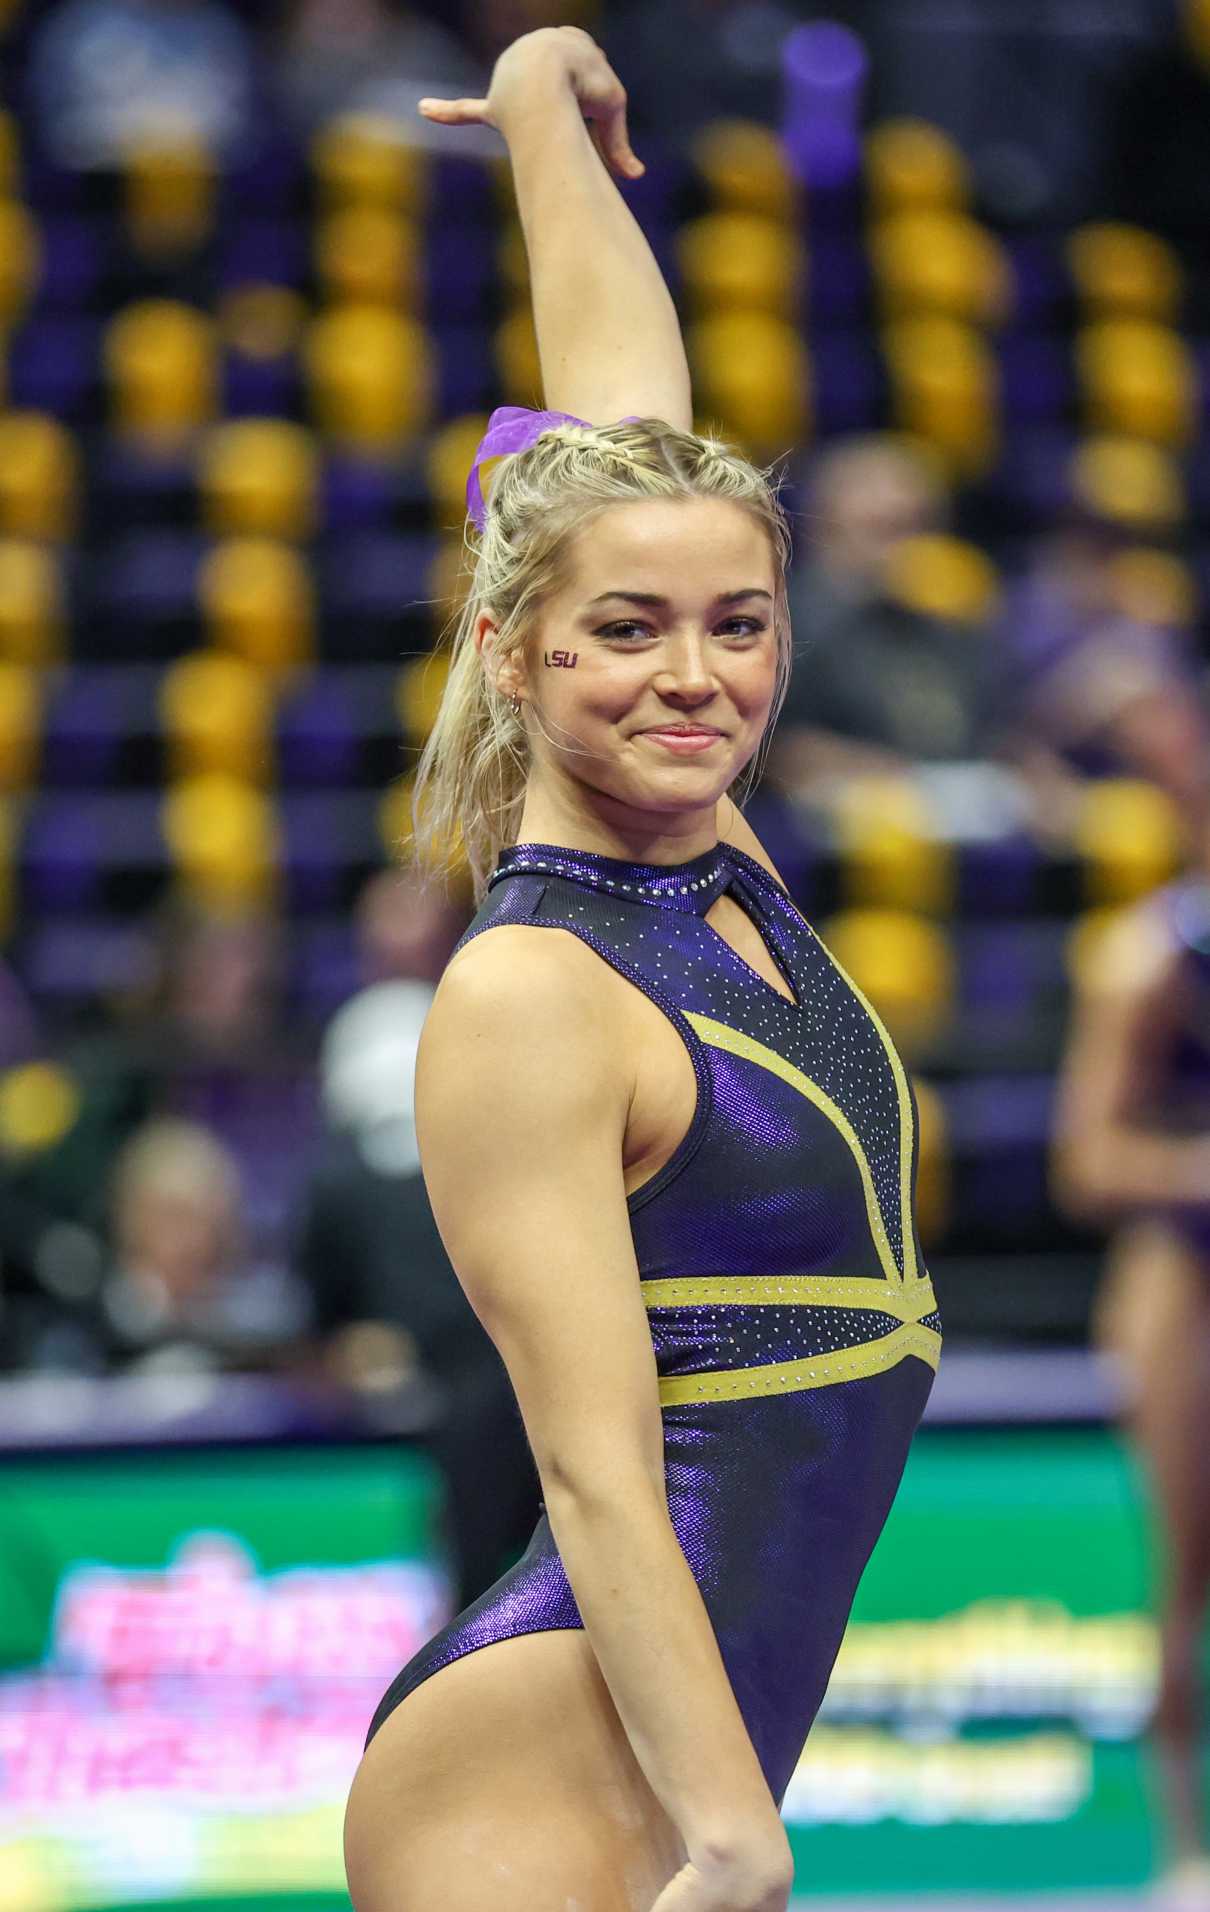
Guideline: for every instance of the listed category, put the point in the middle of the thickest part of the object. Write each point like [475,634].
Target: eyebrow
[653,601]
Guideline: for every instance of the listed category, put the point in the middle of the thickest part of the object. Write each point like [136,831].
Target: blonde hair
[469,782]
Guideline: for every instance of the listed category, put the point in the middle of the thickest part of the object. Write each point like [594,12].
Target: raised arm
[609,340]
[521,1106]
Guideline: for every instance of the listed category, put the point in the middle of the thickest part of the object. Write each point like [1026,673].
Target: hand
[740,1884]
[575,59]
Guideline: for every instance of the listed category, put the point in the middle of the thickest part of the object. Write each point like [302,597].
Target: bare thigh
[506,1781]
[1154,1314]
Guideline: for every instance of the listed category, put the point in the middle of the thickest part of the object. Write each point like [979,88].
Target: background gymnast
[669,1147]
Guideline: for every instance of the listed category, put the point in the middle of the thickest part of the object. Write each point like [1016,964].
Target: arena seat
[742,164]
[904,963]
[1129,481]
[515,351]
[360,159]
[32,611]
[944,577]
[20,261]
[54,366]
[224,840]
[418,692]
[753,374]
[102,728]
[329,846]
[168,196]
[912,166]
[258,602]
[1138,379]
[942,262]
[260,326]
[142,601]
[161,365]
[1122,271]
[39,477]
[258,477]
[365,254]
[339,728]
[20,727]
[1128,837]
[374,596]
[370,376]
[741,262]
[890,854]
[217,716]
[448,459]
[944,388]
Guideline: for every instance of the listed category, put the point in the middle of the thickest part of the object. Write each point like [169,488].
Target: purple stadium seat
[374,587]
[1042,292]
[145,596]
[849,379]
[460,275]
[135,487]
[264,251]
[73,262]
[325,969]
[54,366]
[254,387]
[318,736]
[998,876]
[1037,379]
[102,728]
[467,378]
[838,284]
[91,851]
[331,844]
[71,961]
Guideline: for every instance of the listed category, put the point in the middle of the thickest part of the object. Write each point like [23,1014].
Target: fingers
[618,151]
[456,112]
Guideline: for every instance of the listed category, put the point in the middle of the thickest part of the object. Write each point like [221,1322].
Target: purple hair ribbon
[510,428]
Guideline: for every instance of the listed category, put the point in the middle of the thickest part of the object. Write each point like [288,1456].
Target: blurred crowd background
[944,264]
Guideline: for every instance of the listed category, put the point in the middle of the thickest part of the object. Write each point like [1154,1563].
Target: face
[871,511]
[665,618]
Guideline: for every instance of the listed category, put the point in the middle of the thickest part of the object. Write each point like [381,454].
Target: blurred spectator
[370,56]
[106,74]
[367,1247]
[876,685]
[182,1294]
[202,1037]
[1088,689]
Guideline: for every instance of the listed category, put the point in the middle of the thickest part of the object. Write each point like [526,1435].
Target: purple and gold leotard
[795,1330]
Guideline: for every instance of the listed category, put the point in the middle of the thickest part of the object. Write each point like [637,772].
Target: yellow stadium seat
[418,693]
[1128,835]
[217,714]
[515,346]
[1153,587]
[944,577]
[512,262]
[370,375]
[161,364]
[360,159]
[451,453]
[20,727]
[940,262]
[259,476]
[1125,272]
[369,255]
[741,262]
[1138,379]
[224,840]
[945,389]
[39,477]
[258,602]
[260,320]
[891,856]
[933,1175]
[911,165]
[20,261]
[31,605]
[1129,481]
[905,965]
[743,164]
[752,373]
[39,1104]
[10,152]
[169,195]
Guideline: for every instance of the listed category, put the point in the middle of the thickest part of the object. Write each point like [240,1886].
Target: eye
[624,627]
[750,626]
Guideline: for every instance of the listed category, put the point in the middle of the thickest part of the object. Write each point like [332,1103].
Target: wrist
[530,75]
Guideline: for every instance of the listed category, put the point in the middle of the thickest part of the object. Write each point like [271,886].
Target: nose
[684,673]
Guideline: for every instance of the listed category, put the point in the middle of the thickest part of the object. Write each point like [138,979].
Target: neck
[629,837]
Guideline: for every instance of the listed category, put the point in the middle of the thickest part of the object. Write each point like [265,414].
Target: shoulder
[734,828]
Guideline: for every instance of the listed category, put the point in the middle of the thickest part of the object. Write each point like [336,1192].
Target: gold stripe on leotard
[816,1371]
[907,1301]
[722,1036]
[907,1233]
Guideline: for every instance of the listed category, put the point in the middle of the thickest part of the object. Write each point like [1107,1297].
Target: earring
[514,704]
